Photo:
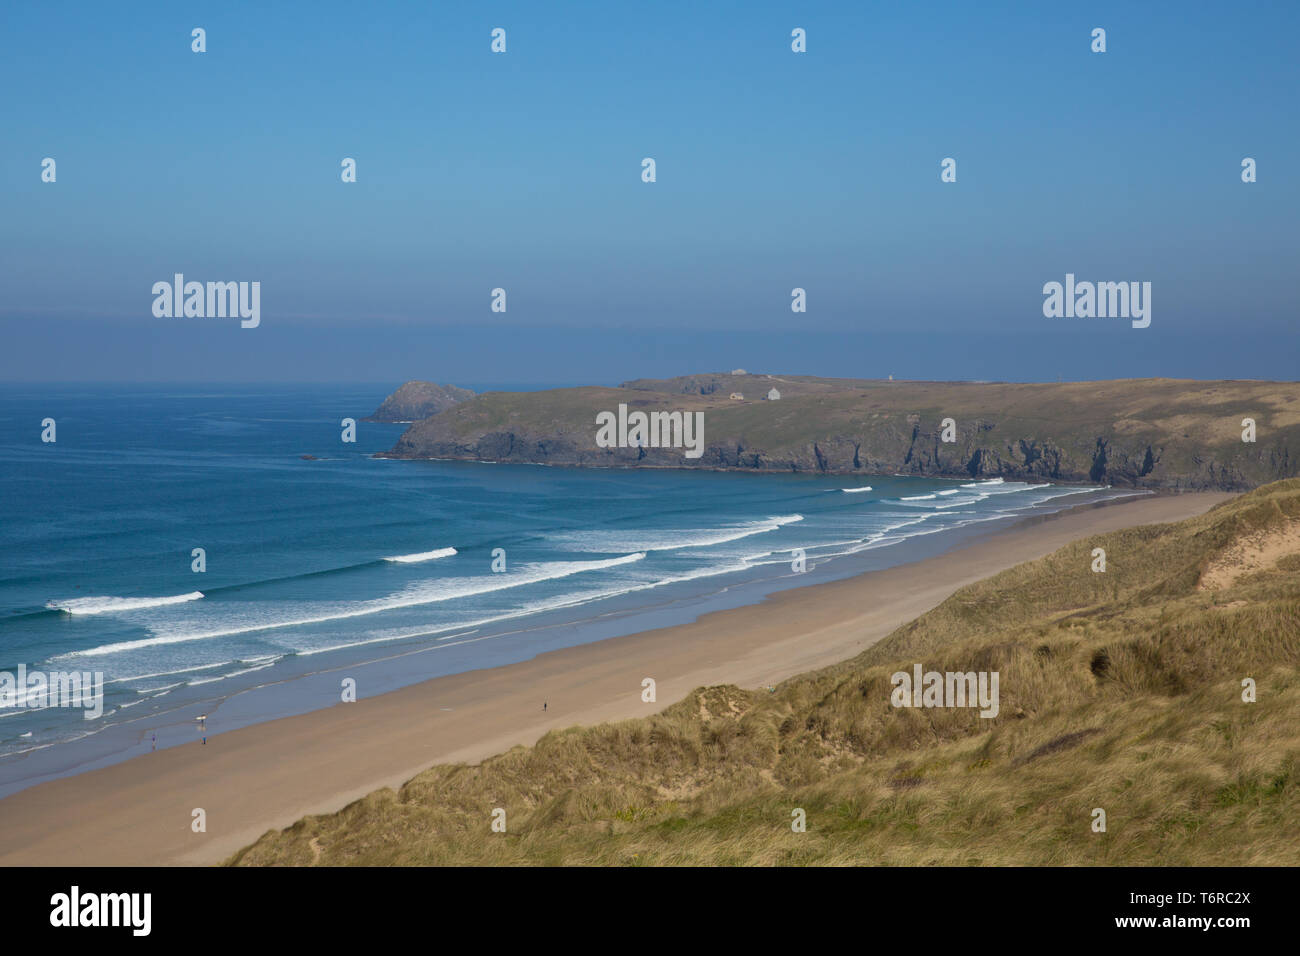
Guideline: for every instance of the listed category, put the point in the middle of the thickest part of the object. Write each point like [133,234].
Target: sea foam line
[112,605]
[670,539]
[423,556]
[559,603]
[446,590]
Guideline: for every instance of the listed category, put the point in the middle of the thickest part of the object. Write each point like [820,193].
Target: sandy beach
[247,781]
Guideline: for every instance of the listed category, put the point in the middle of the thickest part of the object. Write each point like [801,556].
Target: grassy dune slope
[1120,690]
[1150,432]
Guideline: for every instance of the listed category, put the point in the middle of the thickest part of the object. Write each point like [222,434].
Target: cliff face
[1152,433]
[417,400]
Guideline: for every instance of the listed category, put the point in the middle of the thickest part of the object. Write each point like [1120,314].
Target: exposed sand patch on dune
[1251,553]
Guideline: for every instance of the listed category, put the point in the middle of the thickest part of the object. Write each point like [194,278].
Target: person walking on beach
[543,705]
[155,741]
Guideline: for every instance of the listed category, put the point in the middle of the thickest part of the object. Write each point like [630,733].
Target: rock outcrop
[417,400]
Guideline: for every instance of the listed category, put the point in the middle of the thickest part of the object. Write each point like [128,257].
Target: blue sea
[380,570]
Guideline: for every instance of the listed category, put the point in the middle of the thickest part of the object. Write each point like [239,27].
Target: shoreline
[270,774]
[297,683]
[1028,479]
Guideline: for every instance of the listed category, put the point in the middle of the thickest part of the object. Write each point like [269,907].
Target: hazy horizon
[775,170]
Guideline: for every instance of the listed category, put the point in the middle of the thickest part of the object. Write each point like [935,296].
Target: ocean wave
[886,534]
[553,604]
[423,556]
[171,673]
[669,540]
[18,753]
[999,486]
[854,491]
[958,502]
[113,605]
[785,555]
[246,670]
[918,498]
[414,596]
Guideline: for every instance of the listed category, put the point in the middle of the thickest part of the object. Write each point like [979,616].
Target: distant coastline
[1155,434]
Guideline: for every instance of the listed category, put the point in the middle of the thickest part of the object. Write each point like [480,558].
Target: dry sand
[138,812]
[1251,553]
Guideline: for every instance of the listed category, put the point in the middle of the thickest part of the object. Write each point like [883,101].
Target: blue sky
[775,170]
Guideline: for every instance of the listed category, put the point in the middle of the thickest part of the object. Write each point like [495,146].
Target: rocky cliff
[1153,433]
[417,400]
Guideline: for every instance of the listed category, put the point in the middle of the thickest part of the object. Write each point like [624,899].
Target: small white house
[738,371]
[773,395]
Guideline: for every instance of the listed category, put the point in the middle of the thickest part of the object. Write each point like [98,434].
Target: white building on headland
[773,395]
[738,371]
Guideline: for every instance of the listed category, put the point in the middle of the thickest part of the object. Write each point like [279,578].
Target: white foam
[171,673]
[919,498]
[670,539]
[569,600]
[958,502]
[854,491]
[414,596]
[247,670]
[423,556]
[113,605]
